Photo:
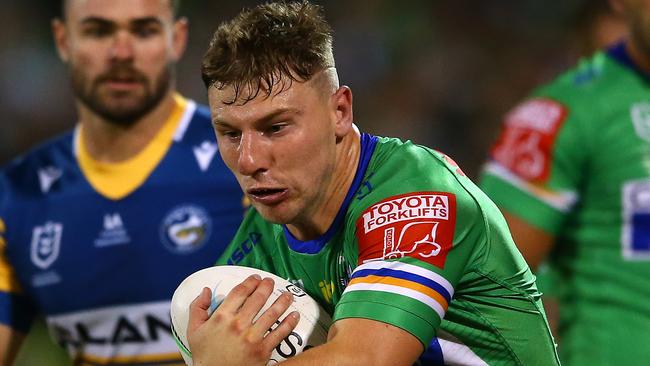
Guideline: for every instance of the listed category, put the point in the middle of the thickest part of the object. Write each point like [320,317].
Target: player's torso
[102,271]
[323,275]
[603,249]
[326,273]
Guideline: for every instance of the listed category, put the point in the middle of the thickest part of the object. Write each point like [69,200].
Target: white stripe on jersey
[185,120]
[454,352]
[401,266]
[562,201]
[400,291]
[116,324]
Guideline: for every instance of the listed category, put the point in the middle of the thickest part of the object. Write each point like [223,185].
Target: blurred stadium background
[441,73]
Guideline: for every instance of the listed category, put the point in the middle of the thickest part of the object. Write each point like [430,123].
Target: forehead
[117,9]
[299,96]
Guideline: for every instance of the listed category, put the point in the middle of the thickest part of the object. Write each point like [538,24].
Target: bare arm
[357,341]
[10,341]
[533,243]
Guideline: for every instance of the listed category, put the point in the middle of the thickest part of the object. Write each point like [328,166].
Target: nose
[122,47]
[253,155]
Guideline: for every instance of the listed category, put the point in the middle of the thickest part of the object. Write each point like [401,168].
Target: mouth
[267,196]
[122,83]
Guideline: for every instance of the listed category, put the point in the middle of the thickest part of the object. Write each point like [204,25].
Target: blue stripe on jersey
[619,53]
[432,356]
[368,143]
[386,272]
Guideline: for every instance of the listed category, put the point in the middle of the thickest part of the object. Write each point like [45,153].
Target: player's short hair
[268,47]
[175,4]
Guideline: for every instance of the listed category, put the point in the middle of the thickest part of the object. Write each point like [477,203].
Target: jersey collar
[117,180]
[619,53]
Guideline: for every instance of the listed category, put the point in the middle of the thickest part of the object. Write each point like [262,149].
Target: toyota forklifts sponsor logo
[418,225]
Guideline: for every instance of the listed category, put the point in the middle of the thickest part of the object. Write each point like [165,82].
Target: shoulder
[195,126]
[35,171]
[399,168]
[577,90]
[421,205]
[409,182]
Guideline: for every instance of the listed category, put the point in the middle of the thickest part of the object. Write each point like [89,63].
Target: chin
[275,215]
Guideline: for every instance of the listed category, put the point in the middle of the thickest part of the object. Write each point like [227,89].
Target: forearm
[357,345]
[332,354]
[10,342]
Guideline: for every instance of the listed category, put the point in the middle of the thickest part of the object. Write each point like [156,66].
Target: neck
[110,143]
[348,151]
[637,54]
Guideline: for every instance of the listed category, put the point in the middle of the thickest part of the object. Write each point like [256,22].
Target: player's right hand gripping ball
[311,329]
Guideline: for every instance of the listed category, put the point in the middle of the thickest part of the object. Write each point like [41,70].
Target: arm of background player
[357,341]
[533,243]
[10,341]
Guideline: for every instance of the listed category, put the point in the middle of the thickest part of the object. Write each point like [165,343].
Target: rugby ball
[311,330]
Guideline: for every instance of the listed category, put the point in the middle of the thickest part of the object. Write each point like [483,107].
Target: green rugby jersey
[417,245]
[574,160]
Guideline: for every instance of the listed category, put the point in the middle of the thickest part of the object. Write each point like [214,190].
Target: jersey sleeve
[533,170]
[16,310]
[414,248]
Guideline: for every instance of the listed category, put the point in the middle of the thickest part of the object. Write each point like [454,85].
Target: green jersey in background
[574,160]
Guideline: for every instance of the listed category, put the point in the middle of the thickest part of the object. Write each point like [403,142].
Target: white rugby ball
[311,330]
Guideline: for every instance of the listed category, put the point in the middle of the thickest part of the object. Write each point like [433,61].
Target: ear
[342,104]
[61,41]
[179,40]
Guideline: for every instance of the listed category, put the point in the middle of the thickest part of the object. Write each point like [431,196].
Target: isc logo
[244,248]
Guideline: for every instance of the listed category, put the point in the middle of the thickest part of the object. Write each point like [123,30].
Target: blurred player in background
[571,173]
[389,236]
[99,226]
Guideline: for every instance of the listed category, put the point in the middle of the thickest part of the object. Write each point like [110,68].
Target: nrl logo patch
[640,114]
[46,243]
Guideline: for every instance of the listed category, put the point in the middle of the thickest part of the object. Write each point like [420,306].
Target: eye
[276,128]
[231,135]
[146,31]
[97,31]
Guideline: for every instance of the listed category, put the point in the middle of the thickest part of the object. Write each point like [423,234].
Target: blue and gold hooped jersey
[98,249]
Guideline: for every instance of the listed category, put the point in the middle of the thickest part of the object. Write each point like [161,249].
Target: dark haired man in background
[98,226]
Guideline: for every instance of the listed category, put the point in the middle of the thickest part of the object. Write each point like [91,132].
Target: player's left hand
[230,336]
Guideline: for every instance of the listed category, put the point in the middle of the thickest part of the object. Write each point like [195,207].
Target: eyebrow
[260,121]
[134,22]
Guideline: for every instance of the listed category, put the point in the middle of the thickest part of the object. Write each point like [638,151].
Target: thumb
[199,310]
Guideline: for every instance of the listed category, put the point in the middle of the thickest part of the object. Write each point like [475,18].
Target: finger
[238,295]
[283,330]
[256,300]
[199,310]
[272,314]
